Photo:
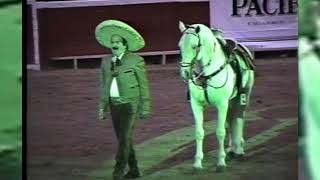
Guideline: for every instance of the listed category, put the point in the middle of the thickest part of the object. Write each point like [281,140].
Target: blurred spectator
[309,78]
[10,91]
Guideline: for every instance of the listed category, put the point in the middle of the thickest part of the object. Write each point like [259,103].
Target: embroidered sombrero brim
[106,29]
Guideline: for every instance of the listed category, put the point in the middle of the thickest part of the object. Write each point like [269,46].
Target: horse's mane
[208,41]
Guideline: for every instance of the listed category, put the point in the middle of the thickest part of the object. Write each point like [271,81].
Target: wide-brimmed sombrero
[107,28]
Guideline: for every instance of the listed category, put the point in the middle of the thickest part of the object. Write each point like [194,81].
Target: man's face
[117,45]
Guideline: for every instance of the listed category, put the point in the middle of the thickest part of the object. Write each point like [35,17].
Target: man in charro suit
[124,90]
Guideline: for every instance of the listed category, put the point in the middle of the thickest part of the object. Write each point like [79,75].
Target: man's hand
[101,114]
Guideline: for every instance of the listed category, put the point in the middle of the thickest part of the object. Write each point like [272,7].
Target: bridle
[184,64]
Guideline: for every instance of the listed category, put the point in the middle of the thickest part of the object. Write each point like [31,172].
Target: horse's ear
[197,29]
[182,27]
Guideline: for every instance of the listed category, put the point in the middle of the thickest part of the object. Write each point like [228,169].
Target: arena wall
[70,31]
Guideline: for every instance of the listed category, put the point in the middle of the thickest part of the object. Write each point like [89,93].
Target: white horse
[202,50]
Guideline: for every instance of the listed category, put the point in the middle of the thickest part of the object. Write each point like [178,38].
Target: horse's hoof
[197,166]
[220,169]
[230,155]
[239,157]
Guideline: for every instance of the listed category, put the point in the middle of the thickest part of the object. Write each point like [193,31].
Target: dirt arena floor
[66,141]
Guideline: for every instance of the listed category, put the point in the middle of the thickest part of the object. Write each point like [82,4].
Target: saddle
[231,48]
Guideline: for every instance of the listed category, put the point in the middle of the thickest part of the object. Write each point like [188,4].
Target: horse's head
[196,44]
[189,45]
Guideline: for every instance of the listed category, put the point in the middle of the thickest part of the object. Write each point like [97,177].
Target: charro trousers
[124,116]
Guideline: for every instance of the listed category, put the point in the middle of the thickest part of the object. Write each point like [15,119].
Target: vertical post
[253,54]
[75,63]
[35,28]
[163,59]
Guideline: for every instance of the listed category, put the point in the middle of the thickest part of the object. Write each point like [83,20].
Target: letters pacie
[263,7]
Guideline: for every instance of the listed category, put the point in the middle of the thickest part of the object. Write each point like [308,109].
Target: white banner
[255,20]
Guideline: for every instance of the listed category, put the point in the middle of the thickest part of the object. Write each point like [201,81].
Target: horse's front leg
[221,134]
[198,111]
